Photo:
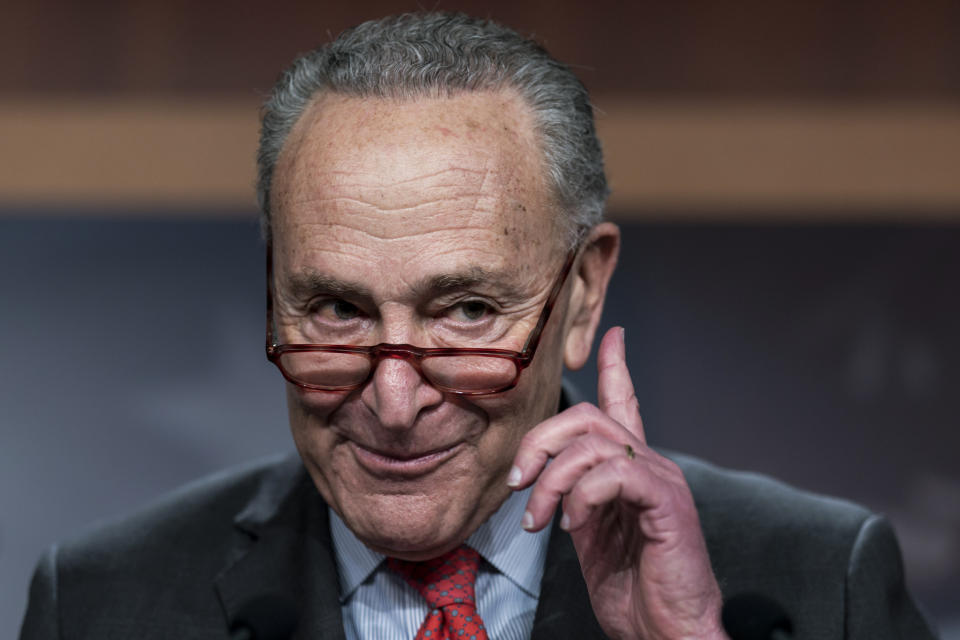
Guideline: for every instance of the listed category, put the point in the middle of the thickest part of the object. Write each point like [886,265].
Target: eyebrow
[310,283]
[471,277]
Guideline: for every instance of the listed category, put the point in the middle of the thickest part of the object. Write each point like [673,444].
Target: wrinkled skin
[427,222]
[632,520]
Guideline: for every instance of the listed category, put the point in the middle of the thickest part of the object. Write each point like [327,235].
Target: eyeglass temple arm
[269,324]
[534,340]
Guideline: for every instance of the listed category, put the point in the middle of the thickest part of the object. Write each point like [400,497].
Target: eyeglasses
[460,371]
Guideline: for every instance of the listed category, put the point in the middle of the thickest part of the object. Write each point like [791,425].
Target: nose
[397,393]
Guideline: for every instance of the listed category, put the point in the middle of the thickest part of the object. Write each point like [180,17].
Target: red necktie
[446,583]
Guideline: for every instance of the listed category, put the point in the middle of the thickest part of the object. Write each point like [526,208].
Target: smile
[401,466]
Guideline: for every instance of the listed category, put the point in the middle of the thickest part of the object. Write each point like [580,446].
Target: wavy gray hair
[442,54]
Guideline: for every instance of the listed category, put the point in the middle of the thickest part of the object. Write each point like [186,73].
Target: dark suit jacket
[183,567]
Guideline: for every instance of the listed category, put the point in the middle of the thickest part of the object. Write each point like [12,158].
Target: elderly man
[432,191]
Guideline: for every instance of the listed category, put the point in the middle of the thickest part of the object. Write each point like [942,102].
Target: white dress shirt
[378,604]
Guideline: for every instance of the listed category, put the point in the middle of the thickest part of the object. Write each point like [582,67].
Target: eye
[344,310]
[471,310]
[340,310]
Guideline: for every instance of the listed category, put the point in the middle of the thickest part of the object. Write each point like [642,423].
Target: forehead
[450,179]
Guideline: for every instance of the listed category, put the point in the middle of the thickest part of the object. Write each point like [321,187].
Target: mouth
[395,465]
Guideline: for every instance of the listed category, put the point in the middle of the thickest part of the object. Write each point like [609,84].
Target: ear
[591,277]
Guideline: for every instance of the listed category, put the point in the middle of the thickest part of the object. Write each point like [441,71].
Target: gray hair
[440,54]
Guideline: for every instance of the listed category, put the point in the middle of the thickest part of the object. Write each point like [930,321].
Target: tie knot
[444,580]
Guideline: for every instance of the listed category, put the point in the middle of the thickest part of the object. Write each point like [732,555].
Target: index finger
[615,392]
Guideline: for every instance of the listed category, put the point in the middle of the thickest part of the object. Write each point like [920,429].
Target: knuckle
[622,464]
[584,410]
[671,467]
[605,364]
[537,499]
[577,497]
[588,415]
[592,441]
[551,493]
[671,471]
[629,404]
[548,483]
[530,441]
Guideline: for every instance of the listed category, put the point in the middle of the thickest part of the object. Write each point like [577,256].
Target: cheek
[535,398]
[315,441]
[512,415]
[317,403]
[309,412]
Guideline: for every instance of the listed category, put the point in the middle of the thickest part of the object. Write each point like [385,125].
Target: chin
[412,527]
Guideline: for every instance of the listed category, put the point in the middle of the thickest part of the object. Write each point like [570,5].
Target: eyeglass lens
[328,370]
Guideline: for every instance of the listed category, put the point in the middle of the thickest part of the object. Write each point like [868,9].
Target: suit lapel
[286,553]
[564,610]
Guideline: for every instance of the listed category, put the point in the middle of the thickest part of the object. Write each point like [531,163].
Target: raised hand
[628,509]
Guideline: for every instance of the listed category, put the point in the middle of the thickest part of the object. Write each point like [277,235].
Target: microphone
[270,616]
[754,616]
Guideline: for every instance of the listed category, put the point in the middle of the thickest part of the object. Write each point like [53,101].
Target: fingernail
[527,522]
[623,335]
[565,522]
[513,480]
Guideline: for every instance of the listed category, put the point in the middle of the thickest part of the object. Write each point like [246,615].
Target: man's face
[422,222]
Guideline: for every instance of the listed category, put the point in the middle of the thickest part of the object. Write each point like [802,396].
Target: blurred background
[787,176]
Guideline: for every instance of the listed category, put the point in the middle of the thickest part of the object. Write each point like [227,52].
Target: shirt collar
[501,541]
[355,562]
[504,544]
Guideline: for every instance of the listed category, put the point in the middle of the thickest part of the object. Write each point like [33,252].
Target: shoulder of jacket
[745,496]
[203,510]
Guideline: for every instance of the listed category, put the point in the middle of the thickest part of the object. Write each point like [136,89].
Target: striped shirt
[378,604]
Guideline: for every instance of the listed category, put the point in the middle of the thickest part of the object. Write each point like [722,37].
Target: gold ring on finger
[630,453]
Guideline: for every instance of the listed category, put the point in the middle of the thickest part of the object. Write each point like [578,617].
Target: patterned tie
[446,583]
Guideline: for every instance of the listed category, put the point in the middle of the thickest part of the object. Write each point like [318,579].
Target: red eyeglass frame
[410,353]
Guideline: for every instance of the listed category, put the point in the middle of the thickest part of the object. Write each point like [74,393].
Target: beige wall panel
[696,159]
[130,154]
[742,158]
